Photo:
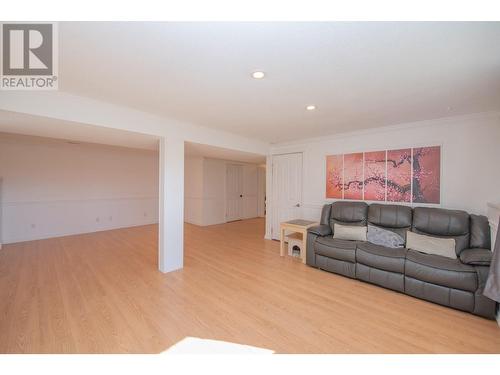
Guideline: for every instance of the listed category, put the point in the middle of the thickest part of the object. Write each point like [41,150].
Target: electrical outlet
[111,218]
[33,226]
[97,219]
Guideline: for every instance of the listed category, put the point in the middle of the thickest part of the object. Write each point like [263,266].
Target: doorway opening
[223,185]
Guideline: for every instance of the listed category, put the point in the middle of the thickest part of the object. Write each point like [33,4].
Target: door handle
[297,205]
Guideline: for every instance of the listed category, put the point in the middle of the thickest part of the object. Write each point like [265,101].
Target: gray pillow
[384,237]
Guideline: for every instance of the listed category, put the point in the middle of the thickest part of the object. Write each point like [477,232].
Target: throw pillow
[384,237]
[431,245]
[349,232]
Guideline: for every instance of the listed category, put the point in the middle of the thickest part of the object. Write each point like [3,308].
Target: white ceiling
[359,75]
[18,123]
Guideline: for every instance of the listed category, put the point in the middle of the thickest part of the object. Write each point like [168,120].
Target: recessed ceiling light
[311,107]
[258,75]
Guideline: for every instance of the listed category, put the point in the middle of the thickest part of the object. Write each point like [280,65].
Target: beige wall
[53,188]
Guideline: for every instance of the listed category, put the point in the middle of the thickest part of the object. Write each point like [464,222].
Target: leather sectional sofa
[456,283]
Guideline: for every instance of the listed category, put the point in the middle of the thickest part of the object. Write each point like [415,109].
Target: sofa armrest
[320,230]
[477,256]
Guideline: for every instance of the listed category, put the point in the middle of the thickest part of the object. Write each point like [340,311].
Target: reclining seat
[382,265]
[451,282]
[332,254]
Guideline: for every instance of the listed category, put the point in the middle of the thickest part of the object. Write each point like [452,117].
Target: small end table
[299,226]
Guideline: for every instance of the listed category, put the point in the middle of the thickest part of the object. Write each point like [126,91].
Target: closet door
[234,192]
[250,191]
[286,190]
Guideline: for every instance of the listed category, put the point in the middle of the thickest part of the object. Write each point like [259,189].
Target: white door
[234,192]
[287,190]
[250,191]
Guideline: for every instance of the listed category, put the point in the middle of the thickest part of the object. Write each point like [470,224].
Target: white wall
[193,190]
[52,188]
[470,158]
[205,190]
[214,192]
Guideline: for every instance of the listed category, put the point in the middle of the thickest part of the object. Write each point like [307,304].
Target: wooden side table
[299,226]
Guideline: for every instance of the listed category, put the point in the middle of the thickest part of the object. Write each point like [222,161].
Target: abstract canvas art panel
[426,174]
[353,176]
[374,180]
[334,173]
[399,175]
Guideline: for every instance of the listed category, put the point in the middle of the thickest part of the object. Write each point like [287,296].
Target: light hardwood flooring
[102,293]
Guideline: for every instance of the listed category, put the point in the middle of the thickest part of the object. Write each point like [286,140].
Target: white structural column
[171,215]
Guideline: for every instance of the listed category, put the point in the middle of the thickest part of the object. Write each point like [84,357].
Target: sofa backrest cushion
[396,218]
[480,232]
[443,223]
[348,213]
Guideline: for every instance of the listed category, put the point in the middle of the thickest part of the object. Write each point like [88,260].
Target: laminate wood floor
[102,293]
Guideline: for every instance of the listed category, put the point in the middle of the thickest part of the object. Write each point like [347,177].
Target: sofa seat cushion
[339,267]
[337,249]
[381,257]
[439,270]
